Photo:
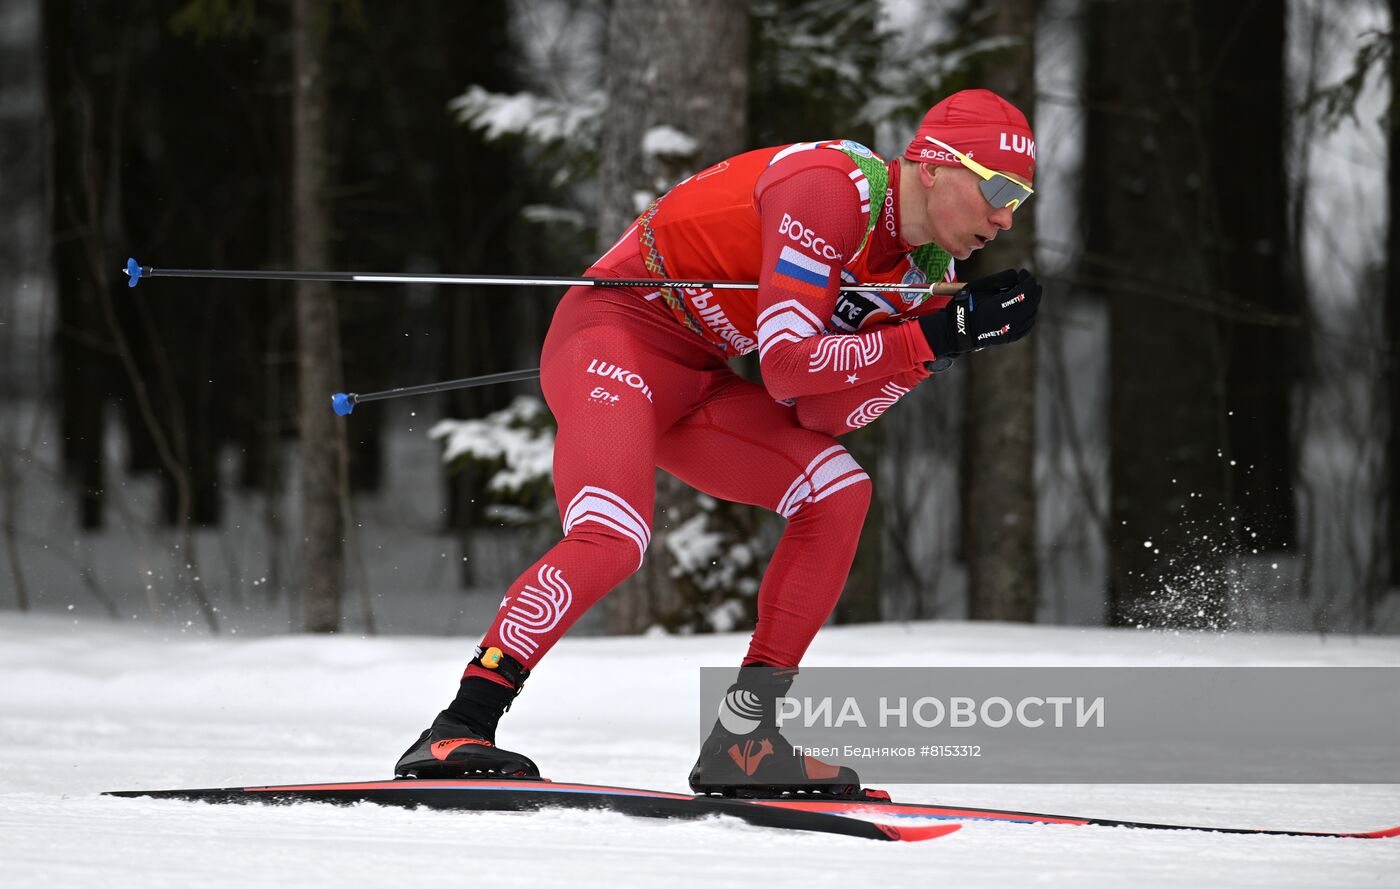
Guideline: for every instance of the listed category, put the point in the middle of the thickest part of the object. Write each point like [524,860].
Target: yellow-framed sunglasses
[999,189]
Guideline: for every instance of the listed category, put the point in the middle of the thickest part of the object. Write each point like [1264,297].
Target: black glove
[990,311]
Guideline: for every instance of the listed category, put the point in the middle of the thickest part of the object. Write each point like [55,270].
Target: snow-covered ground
[92,706]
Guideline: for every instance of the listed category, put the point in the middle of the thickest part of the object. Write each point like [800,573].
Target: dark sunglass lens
[1001,191]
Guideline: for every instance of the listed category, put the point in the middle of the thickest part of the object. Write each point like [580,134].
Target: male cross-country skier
[638,378]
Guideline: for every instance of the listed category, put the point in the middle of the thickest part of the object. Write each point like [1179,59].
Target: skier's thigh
[609,397]
[744,447]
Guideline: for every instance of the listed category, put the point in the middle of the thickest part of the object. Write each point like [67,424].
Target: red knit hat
[983,126]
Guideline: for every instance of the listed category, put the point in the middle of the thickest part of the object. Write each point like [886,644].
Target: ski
[483,795]
[872,818]
[912,811]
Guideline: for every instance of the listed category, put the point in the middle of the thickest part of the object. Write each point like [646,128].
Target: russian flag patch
[801,273]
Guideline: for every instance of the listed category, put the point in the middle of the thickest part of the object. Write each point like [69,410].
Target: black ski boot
[746,756]
[461,742]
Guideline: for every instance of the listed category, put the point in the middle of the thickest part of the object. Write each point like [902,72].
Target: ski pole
[344,402]
[135,272]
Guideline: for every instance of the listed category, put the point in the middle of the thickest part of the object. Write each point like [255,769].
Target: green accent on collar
[930,259]
[878,176]
[933,261]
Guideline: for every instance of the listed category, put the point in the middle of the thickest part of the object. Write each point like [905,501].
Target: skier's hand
[990,311]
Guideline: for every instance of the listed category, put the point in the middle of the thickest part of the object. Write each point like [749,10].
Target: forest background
[1201,433]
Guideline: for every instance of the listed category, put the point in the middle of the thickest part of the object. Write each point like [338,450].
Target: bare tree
[1145,210]
[323,449]
[87,105]
[683,66]
[1254,263]
[999,516]
[19,156]
[1392,297]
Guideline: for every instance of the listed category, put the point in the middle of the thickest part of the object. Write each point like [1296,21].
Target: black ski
[897,812]
[527,795]
[873,818]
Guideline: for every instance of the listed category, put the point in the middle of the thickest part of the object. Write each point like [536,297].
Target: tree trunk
[1255,261]
[489,183]
[318,341]
[682,65]
[1147,218]
[88,90]
[1392,298]
[77,131]
[22,365]
[999,516]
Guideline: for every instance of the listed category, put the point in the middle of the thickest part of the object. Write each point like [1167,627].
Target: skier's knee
[832,480]
[601,518]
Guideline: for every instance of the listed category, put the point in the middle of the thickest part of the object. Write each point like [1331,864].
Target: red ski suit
[638,378]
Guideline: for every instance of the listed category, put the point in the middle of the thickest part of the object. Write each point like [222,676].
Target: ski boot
[461,742]
[746,756]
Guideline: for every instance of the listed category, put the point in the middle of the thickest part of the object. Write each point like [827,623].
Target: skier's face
[951,211]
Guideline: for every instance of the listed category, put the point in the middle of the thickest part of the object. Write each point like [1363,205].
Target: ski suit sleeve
[836,413]
[812,217]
